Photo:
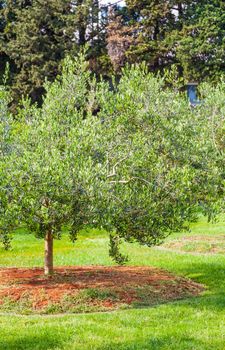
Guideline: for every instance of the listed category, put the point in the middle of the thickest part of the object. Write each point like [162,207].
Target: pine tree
[200,45]
[119,39]
[154,19]
[36,39]
[3,56]
[38,34]
[99,60]
[187,33]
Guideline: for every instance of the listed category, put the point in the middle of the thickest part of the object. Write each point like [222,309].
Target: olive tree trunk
[49,253]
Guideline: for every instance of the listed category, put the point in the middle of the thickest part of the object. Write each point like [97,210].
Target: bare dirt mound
[89,289]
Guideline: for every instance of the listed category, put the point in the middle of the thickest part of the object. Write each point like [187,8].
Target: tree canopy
[137,160]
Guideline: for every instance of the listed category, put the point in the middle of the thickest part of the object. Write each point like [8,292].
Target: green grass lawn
[191,324]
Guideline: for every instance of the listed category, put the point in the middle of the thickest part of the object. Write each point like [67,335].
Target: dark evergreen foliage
[35,35]
[187,33]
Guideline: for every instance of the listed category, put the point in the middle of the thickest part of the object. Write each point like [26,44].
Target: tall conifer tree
[36,39]
[187,33]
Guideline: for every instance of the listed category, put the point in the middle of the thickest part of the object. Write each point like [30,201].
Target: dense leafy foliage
[137,160]
[212,110]
[162,160]
[8,217]
[58,159]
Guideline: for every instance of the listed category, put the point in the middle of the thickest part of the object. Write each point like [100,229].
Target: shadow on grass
[45,342]
[163,343]
[211,274]
[32,342]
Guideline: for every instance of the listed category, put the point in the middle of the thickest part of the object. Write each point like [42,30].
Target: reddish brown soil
[124,282]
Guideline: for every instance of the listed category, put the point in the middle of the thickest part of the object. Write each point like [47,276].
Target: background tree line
[36,35]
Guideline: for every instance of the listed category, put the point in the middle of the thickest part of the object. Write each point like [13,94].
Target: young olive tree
[134,160]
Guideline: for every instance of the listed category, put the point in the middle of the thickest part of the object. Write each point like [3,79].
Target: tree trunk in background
[49,254]
[82,34]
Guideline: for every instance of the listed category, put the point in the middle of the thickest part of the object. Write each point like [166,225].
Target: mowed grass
[191,324]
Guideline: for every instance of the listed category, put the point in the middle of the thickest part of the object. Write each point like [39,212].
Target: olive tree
[133,160]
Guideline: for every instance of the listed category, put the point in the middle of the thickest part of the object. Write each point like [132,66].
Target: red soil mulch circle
[91,288]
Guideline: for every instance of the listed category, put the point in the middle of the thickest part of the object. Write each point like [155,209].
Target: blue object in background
[192,94]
